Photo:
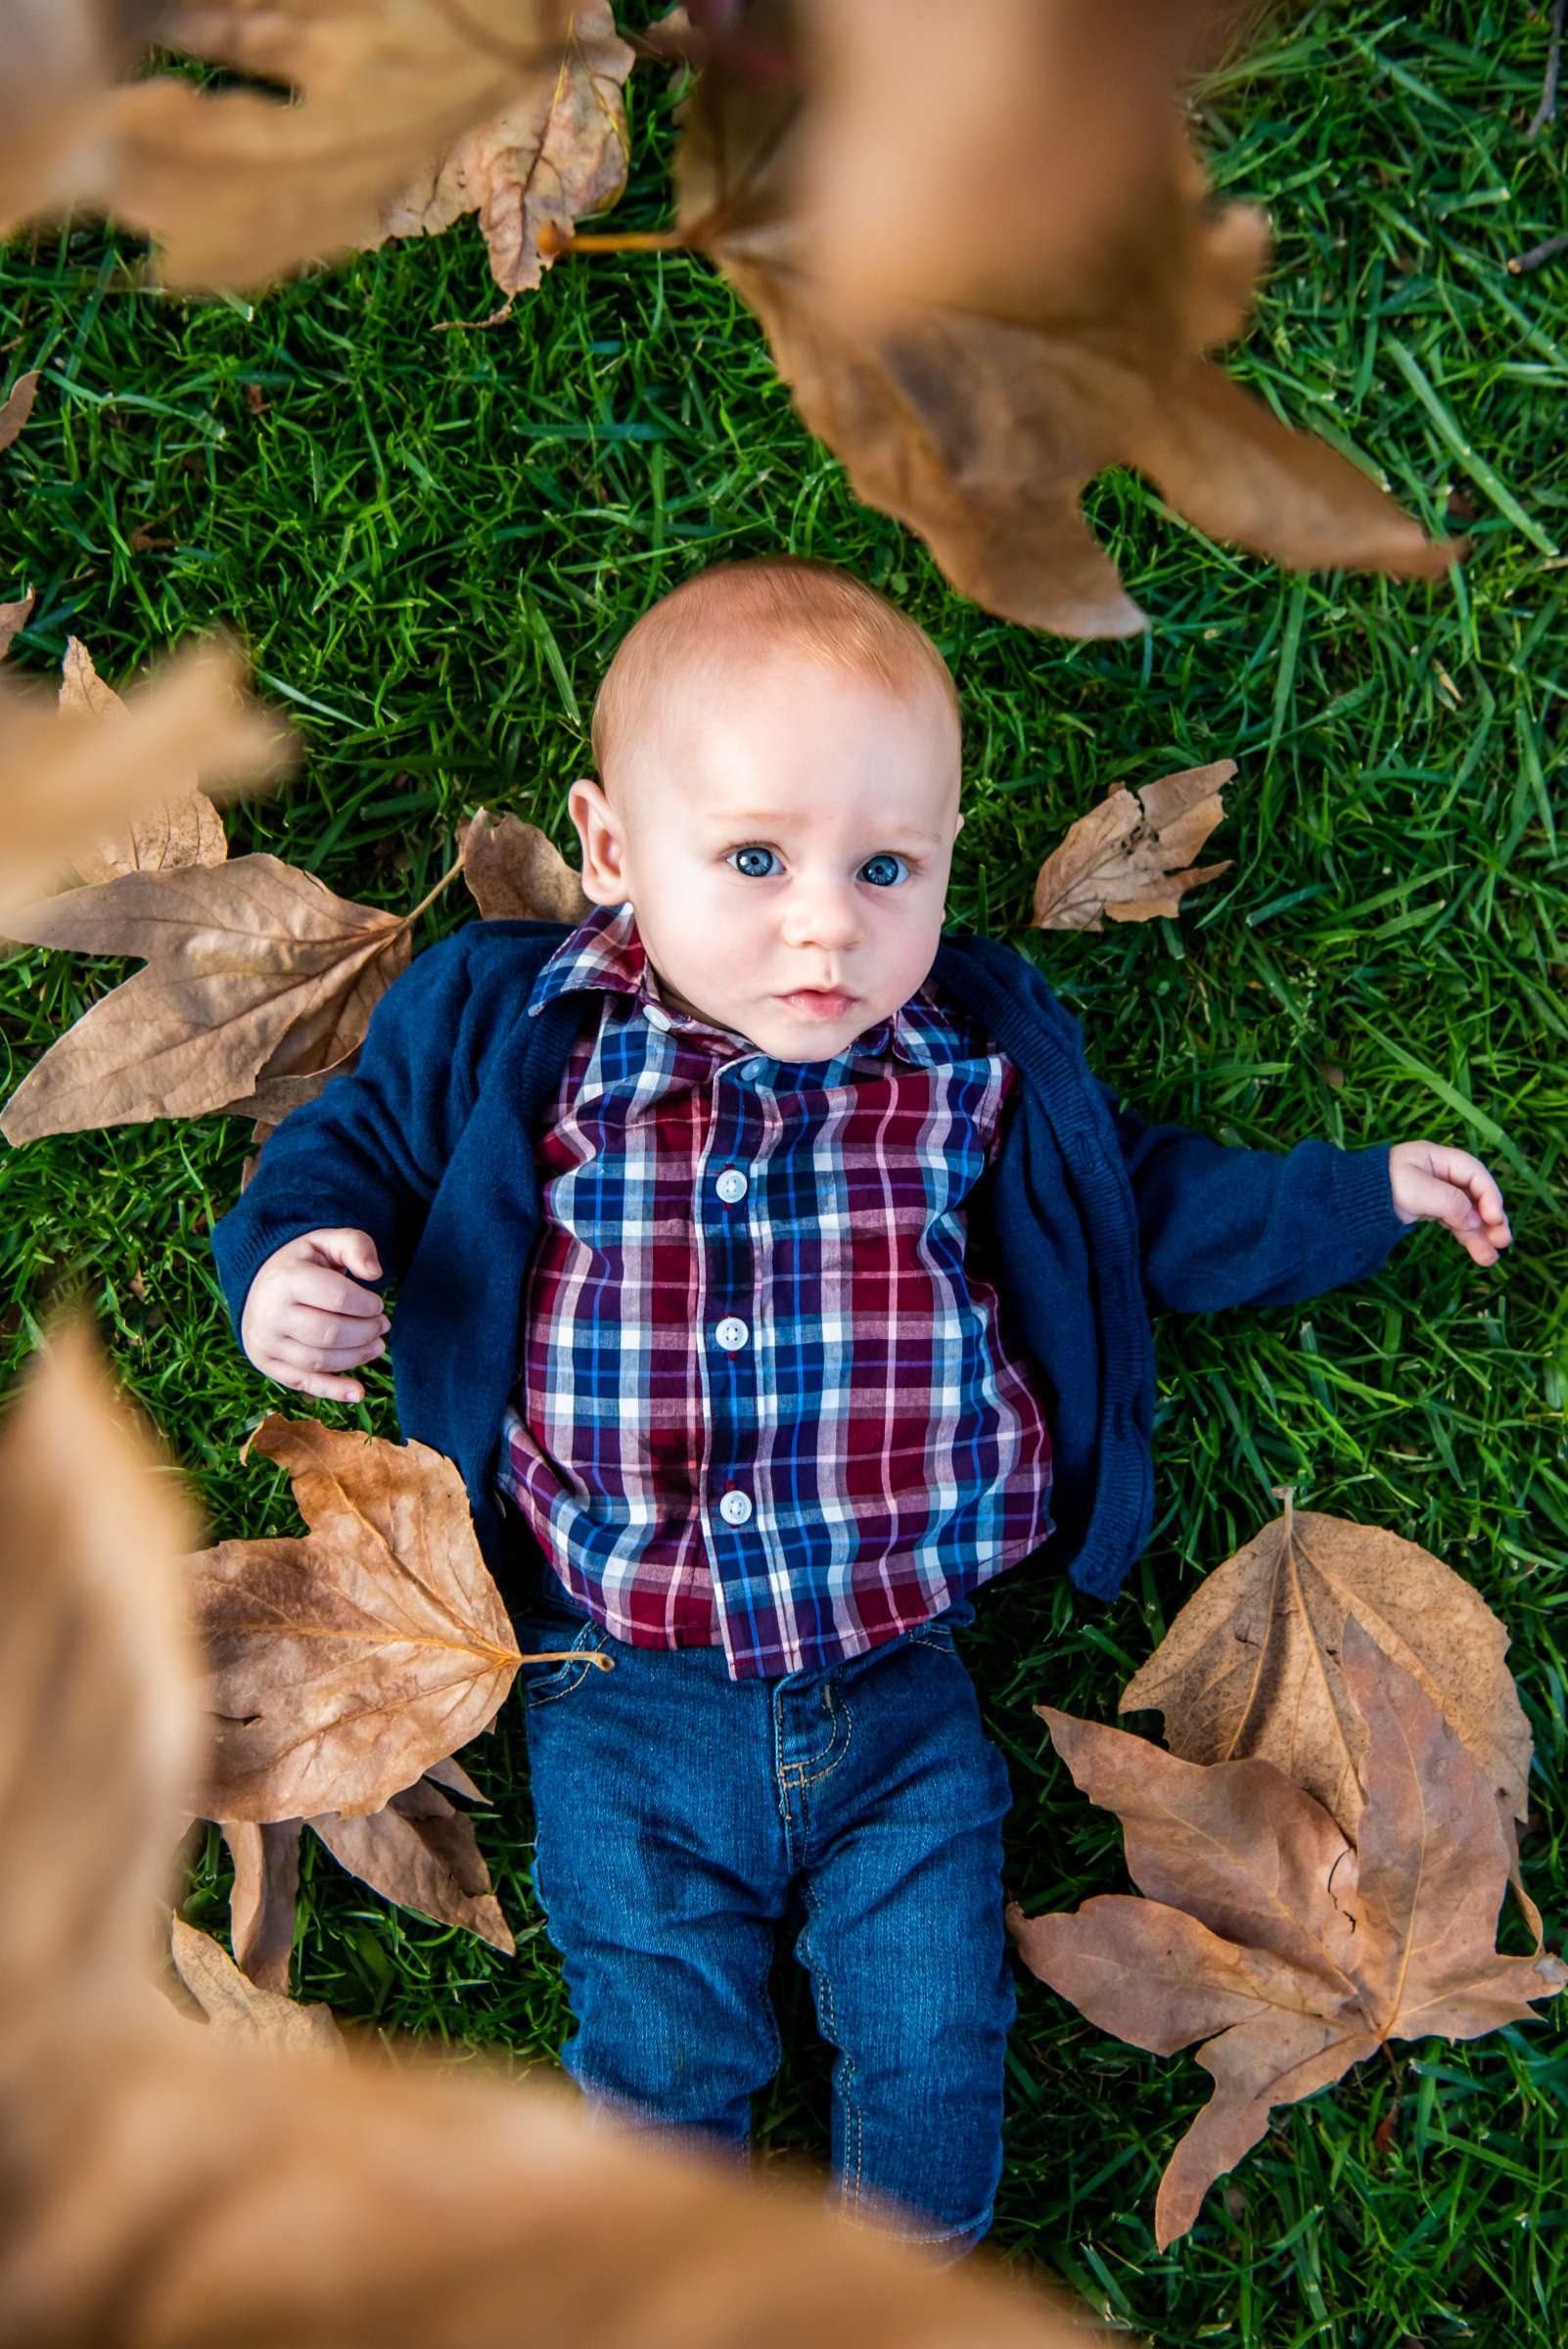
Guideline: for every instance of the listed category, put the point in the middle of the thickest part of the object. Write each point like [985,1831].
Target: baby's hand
[1433,1184]
[303,1319]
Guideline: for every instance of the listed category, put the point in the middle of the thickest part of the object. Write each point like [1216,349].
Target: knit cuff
[1364,1204]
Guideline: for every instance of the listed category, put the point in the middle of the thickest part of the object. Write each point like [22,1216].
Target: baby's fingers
[314,1369]
[1480,1189]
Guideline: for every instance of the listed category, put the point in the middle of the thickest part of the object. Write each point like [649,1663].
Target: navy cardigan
[428,1145]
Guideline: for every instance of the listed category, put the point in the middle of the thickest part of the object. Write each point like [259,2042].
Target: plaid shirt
[763,1400]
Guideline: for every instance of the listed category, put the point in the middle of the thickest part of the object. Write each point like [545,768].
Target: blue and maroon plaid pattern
[763,1399]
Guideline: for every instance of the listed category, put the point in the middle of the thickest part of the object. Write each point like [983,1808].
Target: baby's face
[785,840]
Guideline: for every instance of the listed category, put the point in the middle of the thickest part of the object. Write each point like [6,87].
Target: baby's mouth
[819,1002]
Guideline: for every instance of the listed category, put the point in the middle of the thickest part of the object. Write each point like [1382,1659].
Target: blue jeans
[682,1817]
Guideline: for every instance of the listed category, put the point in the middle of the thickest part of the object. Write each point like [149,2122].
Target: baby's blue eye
[880,870]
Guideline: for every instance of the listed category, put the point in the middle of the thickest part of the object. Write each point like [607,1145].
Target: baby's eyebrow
[767,820]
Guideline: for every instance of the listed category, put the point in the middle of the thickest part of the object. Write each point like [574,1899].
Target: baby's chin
[786,1033]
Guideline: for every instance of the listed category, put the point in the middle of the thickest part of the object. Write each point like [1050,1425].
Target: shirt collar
[605,952]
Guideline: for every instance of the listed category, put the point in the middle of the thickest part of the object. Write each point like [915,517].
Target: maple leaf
[184,829]
[346,1663]
[1264,1933]
[557,150]
[78,772]
[238,189]
[158,2171]
[980,432]
[14,617]
[18,407]
[259,983]
[515,873]
[239,2009]
[419,1850]
[1123,859]
[1253,1662]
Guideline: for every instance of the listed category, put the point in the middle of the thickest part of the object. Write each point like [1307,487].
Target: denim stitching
[854,2119]
[835,1705]
[533,1696]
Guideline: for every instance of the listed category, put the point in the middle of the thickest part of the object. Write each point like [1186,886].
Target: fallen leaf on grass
[14,617]
[345,1663]
[557,151]
[260,981]
[73,774]
[513,873]
[1125,858]
[1253,1664]
[263,1899]
[979,432]
[239,2009]
[17,407]
[418,1852]
[166,2185]
[184,829]
[1264,1933]
[422,1853]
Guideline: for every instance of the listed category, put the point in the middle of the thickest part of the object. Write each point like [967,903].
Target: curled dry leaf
[14,617]
[98,1736]
[73,774]
[157,2172]
[1253,1664]
[981,431]
[263,1899]
[422,1854]
[418,1852]
[185,828]
[513,873]
[557,151]
[239,2009]
[345,1663]
[260,981]
[18,407]
[1125,858]
[238,189]
[1261,1938]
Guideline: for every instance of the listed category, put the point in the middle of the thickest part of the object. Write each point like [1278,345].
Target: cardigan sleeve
[1220,1226]
[369,1151]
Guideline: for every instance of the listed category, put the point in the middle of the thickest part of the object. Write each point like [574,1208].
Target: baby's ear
[960,827]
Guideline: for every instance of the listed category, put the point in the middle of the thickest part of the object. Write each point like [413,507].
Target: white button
[654,1017]
[731,1334]
[752,1068]
[731,1185]
[734,1508]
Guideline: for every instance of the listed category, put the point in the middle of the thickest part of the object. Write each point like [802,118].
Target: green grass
[431,541]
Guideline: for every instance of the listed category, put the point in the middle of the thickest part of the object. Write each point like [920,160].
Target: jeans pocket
[934,1635]
[547,1683]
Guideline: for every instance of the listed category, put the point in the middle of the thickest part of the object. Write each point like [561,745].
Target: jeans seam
[836,1703]
[533,1700]
[854,2119]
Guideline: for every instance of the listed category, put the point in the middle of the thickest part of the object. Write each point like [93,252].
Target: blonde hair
[773,601]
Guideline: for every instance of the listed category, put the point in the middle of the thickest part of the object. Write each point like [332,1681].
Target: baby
[774,1271]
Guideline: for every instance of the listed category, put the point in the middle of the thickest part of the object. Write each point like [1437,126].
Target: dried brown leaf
[259,983]
[238,189]
[451,1774]
[73,774]
[555,152]
[346,1663]
[1125,858]
[1261,1933]
[422,1854]
[1253,1662]
[980,432]
[18,407]
[239,2009]
[263,1899]
[96,1736]
[185,828]
[14,617]
[513,873]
